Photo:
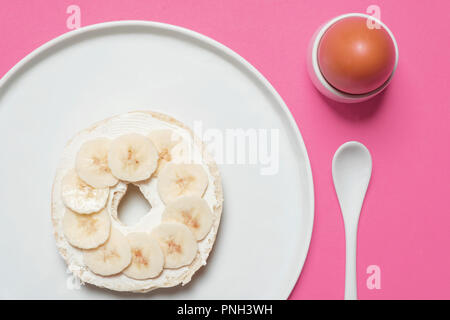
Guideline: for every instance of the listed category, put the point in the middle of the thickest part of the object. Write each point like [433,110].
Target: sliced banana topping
[147,258]
[81,197]
[193,212]
[86,231]
[165,141]
[132,157]
[111,257]
[177,243]
[177,180]
[187,218]
[91,163]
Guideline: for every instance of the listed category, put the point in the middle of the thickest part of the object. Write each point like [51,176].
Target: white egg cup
[316,75]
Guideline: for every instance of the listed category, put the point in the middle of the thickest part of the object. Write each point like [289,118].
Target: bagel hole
[133,206]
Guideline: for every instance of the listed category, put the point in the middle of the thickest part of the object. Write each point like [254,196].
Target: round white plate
[95,72]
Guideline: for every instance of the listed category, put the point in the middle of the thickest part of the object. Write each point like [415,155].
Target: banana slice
[111,257]
[132,157]
[177,243]
[165,141]
[178,180]
[86,231]
[91,163]
[193,212]
[147,258]
[81,197]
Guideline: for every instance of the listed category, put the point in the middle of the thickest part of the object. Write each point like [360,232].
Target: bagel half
[138,122]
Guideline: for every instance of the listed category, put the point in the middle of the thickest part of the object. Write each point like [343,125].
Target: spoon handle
[350,260]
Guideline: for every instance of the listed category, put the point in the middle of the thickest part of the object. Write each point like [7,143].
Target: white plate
[102,70]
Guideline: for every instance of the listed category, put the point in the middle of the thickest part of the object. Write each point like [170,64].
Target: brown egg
[354,58]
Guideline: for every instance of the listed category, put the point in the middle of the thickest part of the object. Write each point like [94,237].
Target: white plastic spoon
[352,168]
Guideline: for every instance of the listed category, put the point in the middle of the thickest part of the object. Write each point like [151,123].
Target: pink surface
[405,223]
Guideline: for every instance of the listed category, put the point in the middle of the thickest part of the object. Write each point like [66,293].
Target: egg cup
[319,80]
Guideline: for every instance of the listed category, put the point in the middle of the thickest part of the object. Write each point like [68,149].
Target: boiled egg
[355,58]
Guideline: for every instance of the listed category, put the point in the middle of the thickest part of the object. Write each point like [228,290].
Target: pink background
[405,223]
